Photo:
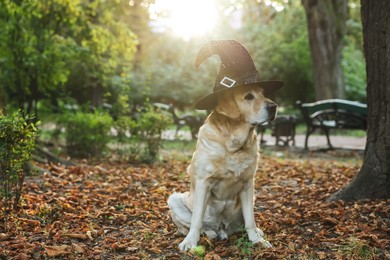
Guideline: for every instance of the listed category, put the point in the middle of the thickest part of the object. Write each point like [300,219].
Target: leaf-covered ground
[119,211]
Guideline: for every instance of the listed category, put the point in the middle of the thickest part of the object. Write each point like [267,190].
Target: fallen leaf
[77,248]
[4,236]
[212,256]
[57,250]
[75,235]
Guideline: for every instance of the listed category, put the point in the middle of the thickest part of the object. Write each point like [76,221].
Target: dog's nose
[271,107]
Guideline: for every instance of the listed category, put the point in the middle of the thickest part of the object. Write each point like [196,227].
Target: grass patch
[180,150]
[356,248]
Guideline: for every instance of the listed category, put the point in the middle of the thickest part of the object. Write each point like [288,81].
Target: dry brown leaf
[4,236]
[57,250]
[75,235]
[330,221]
[21,256]
[77,248]
[212,256]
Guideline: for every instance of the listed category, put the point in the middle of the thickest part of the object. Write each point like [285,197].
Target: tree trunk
[326,28]
[2,100]
[97,95]
[373,179]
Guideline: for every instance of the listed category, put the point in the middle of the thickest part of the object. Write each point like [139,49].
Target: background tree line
[90,52]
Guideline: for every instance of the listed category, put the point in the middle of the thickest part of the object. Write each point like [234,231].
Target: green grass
[357,249]
[178,149]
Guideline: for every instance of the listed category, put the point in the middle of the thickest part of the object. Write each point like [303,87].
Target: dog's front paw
[188,243]
[256,236]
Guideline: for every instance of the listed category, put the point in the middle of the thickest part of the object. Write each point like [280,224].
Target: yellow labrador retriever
[223,166]
[222,170]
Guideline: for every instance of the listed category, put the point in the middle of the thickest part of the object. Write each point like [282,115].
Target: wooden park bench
[333,114]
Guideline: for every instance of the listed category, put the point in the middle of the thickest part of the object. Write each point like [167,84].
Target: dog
[222,170]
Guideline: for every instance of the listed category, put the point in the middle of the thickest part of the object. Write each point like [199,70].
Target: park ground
[116,210]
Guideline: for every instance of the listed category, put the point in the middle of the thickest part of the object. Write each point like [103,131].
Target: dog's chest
[239,165]
[233,175]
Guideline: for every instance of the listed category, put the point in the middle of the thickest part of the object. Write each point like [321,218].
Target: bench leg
[326,130]
[307,138]
[309,131]
[293,138]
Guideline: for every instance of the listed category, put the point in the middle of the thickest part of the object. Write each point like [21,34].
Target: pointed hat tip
[205,52]
[218,47]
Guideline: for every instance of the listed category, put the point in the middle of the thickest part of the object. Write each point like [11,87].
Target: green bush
[354,68]
[139,138]
[17,141]
[152,123]
[87,134]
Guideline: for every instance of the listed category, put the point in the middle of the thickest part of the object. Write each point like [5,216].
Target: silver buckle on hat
[227,82]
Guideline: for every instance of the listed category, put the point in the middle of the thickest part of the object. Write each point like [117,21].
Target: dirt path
[315,141]
[319,141]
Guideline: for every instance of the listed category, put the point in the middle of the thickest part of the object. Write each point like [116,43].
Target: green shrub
[87,134]
[139,138]
[152,123]
[17,141]
[127,149]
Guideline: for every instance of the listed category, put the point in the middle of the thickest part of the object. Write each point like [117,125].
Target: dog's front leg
[255,234]
[200,198]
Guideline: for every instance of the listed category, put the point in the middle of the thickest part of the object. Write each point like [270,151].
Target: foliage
[279,45]
[99,52]
[354,65]
[354,68]
[139,138]
[45,46]
[358,248]
[17,142]
[170,75]
[243,243]
[35,48]
[108,50]
[86,134]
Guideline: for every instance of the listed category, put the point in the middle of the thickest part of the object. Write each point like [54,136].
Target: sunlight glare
[276,5]
[186,18]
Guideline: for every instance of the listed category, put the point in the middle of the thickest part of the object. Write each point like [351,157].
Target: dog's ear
[227,105]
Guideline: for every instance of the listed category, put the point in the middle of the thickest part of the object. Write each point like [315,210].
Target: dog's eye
[249,96]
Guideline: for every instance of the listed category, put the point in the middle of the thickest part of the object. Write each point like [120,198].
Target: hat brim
[211,101]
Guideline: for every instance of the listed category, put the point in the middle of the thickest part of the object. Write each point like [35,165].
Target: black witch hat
[237,69]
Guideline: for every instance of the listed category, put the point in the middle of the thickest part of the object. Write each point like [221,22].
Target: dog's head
[247,103]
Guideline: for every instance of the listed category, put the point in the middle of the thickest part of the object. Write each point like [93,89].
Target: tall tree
[373,179]
[44,44]
[33,49]
[326,28]
[110,46]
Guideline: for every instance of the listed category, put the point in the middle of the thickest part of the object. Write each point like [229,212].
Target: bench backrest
[336,104]
[335,113]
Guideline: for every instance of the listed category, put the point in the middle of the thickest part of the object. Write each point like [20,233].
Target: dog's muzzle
[271,109]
